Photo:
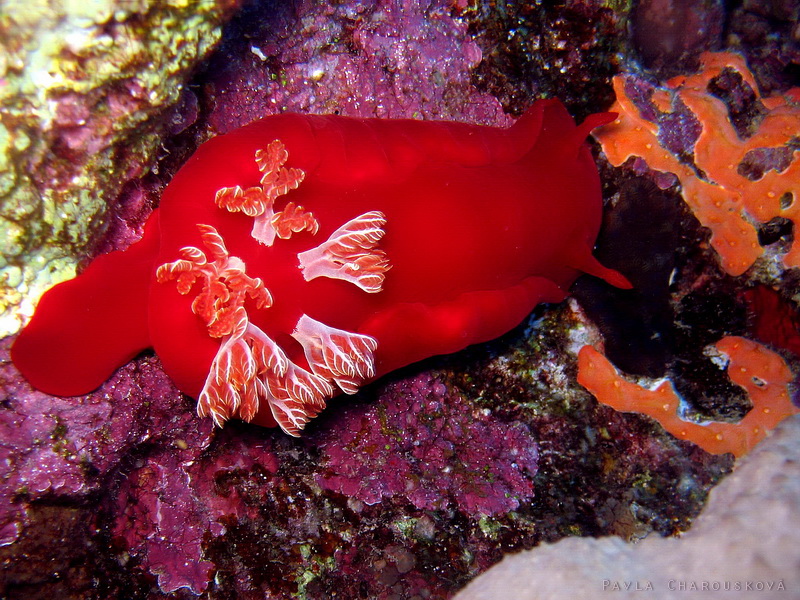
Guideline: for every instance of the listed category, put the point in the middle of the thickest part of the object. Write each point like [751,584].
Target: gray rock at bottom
[745,544]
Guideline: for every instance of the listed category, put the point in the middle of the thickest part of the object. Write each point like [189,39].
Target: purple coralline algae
[162,525]
[66,447]
[432,447]
[169,501]
[370,58]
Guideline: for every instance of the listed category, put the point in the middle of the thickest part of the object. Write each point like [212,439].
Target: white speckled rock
[747,538]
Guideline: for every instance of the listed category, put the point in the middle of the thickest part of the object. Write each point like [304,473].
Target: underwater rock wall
[427,478]
[743,545]
[85,95]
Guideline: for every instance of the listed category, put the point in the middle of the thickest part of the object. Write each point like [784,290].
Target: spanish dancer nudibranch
[302,256]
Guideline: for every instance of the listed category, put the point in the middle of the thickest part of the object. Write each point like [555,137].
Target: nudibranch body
[301,256]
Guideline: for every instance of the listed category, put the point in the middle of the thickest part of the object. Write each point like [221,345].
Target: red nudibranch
[301,256]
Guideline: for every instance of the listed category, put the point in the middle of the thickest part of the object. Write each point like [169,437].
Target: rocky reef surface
[427,478]
[726,554]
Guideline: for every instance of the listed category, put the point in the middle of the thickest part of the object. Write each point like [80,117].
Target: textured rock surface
[427,478]
[414,486]
[84,88]
[748,535]
[351,58]
[431,447]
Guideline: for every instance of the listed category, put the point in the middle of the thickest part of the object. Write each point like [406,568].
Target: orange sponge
[725,201]
[761,372]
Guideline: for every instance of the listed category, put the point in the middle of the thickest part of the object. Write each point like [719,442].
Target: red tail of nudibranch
[85,328]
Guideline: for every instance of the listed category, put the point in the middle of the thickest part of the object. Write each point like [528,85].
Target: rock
[743,545]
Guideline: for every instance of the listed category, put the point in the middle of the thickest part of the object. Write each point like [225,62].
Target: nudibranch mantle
[302,256]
